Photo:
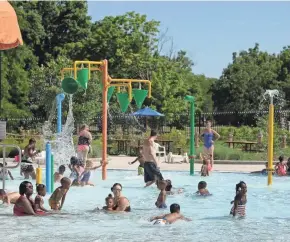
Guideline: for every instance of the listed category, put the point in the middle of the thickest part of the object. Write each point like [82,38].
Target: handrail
[4,146]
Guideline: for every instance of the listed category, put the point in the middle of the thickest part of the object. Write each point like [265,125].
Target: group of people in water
[81,169]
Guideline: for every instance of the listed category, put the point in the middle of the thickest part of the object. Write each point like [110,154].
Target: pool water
[267,219]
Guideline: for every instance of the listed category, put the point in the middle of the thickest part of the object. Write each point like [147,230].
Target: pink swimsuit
[19,211]
[281,170]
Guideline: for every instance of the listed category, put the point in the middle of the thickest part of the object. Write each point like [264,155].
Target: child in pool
[264,171]
[239,207]
[38,201]
[57,199]
[160,203]
[8,198]
[87,173]
[170,218]
[109,203]
[206,166]
[202,191]
[280,167]
[169,187]
[59,175]
[141,160]
[77,169]
[5,175]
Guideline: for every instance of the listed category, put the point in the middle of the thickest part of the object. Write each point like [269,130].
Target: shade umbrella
[147,112]
[10,35]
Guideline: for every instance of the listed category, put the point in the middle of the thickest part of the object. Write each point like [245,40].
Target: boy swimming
[59,175]
[202,191]
[170,218]
[57,199]
[8,197]
[38,201]
[160,203]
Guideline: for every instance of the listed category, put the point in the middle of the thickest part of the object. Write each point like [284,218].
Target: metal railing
[4,146]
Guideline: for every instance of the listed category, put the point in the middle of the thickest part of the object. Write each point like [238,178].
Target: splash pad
[81,77]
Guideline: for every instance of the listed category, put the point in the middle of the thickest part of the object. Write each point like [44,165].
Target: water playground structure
[77,77]
[270,169]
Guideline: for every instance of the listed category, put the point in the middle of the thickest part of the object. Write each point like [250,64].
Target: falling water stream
[62,145]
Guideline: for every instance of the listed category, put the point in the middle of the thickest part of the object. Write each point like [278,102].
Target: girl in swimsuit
[280,167]
[170,218]
[77,170]
[208,135]
[84,143]
[121,203]
[239,207]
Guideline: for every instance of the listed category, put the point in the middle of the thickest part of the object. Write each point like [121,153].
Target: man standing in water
[151,169]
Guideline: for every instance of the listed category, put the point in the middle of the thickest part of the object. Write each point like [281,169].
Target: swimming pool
[268,213]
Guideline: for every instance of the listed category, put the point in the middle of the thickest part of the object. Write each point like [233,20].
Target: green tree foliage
[243,82]
[59,32]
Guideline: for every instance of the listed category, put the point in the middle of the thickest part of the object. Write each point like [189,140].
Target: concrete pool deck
[121,162]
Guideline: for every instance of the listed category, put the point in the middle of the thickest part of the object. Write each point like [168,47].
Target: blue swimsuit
[208,137]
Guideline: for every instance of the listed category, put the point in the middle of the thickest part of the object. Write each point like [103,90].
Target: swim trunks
[160,221]
[86,176]
[163,206]
[140,170]
[151,172]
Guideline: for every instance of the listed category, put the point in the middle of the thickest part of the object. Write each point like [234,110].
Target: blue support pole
[48,167]
[59,99]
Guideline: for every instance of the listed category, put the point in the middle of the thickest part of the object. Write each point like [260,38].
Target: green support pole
[192,149]
[52,173]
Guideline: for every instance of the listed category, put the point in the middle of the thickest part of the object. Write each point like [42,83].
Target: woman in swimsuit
[23,205]
[239,207]
[208,135]
[84,142]
[121,203]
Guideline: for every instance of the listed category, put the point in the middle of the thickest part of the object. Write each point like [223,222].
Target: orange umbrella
[10,35]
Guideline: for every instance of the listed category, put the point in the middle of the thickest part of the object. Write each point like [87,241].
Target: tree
[243,82]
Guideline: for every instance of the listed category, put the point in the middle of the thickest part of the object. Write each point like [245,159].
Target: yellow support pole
[270,144]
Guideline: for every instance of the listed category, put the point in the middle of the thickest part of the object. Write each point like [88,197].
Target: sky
[211,31]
